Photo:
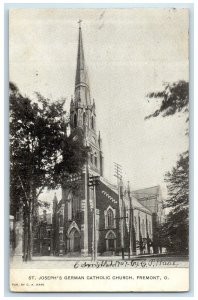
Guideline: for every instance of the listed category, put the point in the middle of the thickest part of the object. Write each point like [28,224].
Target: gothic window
[69,210]
[75,207]
[92,122]
[91,193]
[61,220]
[61,236]
[84,119]
[109,214]
[75,120]
[110,219]
[69,206]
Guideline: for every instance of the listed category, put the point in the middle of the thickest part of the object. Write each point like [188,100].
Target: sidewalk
[100,258]
[53,262]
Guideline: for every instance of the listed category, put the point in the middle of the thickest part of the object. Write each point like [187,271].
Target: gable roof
[147,192]
[111,186]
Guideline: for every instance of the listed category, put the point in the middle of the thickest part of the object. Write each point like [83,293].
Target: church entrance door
[111,245]
[74,241]
[110,241]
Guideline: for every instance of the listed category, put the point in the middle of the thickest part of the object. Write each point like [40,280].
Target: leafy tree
[174,98]
[41,154]
[175,229]
[174,233]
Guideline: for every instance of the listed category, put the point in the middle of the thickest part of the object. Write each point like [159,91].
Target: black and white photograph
[99,149]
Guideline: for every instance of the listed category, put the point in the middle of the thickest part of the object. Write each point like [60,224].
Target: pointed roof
[81,72]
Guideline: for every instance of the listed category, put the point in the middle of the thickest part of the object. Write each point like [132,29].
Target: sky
[128,53]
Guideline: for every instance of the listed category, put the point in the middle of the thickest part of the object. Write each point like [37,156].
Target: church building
[73,216]
[97,216]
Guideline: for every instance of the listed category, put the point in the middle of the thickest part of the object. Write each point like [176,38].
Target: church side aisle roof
[147,192]
[139,206]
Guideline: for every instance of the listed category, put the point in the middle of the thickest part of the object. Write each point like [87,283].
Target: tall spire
[81,83]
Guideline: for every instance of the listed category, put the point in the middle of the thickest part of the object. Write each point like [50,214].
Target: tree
[175,230]
[41,154]
[174,233]
[174,98]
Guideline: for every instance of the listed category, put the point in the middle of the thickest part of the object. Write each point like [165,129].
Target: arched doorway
[74,240]
[110,241]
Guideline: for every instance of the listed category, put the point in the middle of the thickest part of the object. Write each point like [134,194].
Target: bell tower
[83,111]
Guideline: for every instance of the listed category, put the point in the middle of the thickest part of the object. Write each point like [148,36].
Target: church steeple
[83,110]
[82,92]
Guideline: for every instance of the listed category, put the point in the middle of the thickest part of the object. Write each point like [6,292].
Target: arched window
[61,236]
[69,206]
[84,119]
[61,220]
[69,210]
[110,221]
[75,207]
[75,121]
[110,218]
[92,122]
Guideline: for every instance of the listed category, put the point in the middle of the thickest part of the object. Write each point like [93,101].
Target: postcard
[99,149]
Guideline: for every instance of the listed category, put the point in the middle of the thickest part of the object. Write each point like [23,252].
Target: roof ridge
[157,186]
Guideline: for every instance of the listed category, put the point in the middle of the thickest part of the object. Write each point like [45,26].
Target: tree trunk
[25,237]
[29,231]
[29,246]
